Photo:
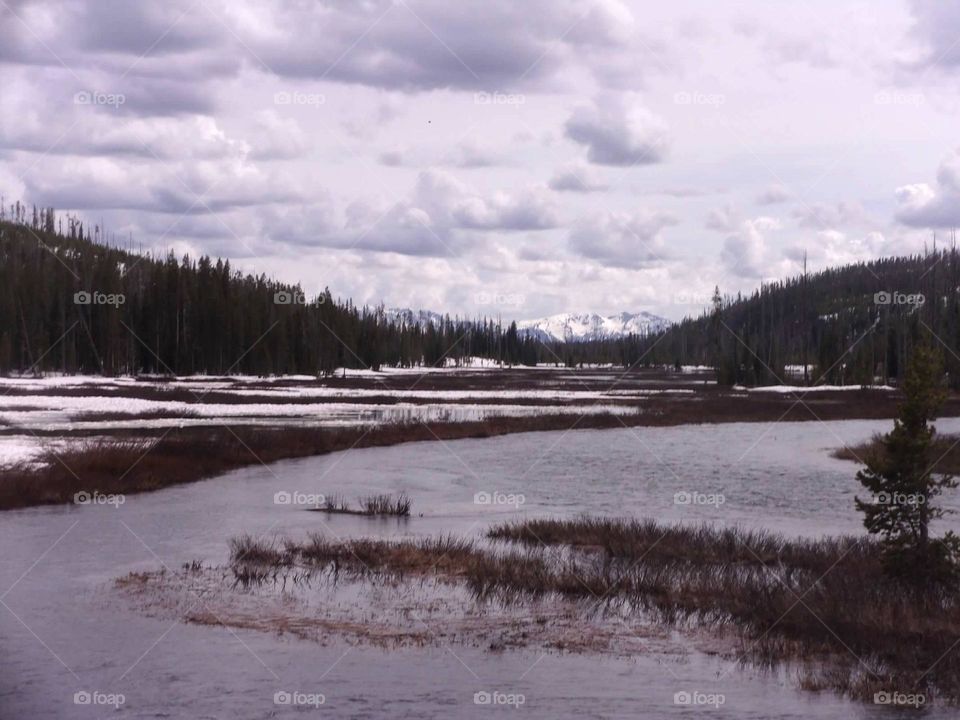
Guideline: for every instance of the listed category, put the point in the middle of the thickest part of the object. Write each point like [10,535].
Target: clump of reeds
[386,505]
[444,555]
[370,505]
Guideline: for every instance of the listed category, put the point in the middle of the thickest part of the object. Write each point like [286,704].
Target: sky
[492,157]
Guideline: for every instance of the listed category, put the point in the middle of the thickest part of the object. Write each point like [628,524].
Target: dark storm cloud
[495,45]
[937,26]
[152,97]
[137,28]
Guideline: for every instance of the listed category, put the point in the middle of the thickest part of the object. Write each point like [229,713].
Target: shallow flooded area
[67,629]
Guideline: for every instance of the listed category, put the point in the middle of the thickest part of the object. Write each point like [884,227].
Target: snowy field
[50,413]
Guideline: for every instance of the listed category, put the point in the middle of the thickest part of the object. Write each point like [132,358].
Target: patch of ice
[802,390]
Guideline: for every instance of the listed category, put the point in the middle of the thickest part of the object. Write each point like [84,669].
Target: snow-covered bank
[803,390]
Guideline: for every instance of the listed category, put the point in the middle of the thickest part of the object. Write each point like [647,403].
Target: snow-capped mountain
[566,327]
[574,327]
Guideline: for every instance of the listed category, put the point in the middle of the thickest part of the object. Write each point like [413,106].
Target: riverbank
[63,436]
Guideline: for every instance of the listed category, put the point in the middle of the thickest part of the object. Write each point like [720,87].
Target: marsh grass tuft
[386,505]
[813,603]
[371,505]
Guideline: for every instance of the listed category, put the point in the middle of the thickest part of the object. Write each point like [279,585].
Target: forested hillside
[853,324]
[69,304]
[73,305]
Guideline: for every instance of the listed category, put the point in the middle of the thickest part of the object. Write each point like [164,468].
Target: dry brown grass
[188,454]
[822,605]
[370,505]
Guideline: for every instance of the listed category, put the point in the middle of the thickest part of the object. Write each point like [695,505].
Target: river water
[62,632]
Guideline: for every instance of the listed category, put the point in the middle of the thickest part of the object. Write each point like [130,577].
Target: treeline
[70,304]
[855,324]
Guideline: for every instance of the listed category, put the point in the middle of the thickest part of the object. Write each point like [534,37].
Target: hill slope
[854,323]
[71,305]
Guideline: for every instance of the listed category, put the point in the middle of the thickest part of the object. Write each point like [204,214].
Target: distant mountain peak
[576,327]
[565,327]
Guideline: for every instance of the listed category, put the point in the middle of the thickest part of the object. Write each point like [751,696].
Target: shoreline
[109,437]
[136,461]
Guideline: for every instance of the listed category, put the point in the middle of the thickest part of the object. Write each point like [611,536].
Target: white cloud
[618,130]
[724,219]
[577,177]
[400,169]
[774,194]
[745,254]
[629,240]
[933,206]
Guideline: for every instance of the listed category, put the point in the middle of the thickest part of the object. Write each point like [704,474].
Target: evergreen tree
[900,476]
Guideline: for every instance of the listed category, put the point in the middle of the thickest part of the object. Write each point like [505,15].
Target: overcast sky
[522,157]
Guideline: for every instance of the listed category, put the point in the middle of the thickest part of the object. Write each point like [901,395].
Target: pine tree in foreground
[902,480]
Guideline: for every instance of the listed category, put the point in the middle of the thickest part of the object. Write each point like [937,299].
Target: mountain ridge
[561,327]
[576,327]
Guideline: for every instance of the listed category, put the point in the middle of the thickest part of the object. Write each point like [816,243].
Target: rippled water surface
[63,630]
